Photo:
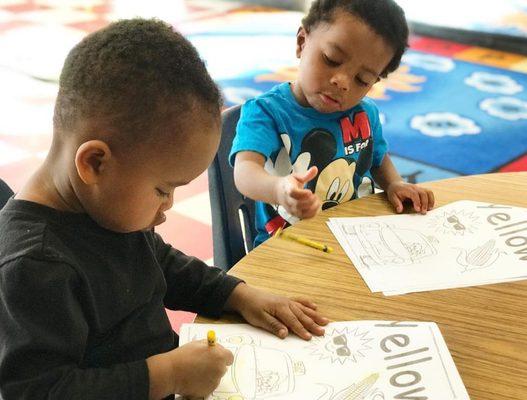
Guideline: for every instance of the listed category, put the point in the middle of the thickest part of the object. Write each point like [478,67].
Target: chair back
[5,193]
[233,230]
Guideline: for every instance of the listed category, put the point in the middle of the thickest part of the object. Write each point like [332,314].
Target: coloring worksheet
[464,243]
[354,360]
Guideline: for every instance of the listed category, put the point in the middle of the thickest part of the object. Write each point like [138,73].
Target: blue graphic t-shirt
[343,145]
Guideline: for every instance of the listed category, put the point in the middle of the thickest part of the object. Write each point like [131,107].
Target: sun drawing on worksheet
[341,345]
[455,222]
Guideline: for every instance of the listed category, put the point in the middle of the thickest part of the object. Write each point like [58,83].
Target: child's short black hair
[132,78]
[385,17]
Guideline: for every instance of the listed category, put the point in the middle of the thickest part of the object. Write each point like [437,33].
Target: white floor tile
[196,207]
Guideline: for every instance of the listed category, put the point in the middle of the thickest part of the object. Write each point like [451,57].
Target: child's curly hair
[132,78]
[385,17]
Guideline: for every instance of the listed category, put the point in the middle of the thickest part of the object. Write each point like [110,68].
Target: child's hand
[398,192]
[197,368]
[277,314]
[296,200]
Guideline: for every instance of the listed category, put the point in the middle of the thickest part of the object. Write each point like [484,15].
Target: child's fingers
[416,200]
[273,325]
[396,202]
[286,315]
[294,208]
[306,320]
[306,202]
[314,315]
[431,199]
[303,203]
[424,201]
[310,209]
[226,355]
[309,203]
[300,194]
[306,176]
[305,302]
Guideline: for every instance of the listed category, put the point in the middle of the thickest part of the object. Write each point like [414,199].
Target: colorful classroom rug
[503,17]
[501,25]
[449,110]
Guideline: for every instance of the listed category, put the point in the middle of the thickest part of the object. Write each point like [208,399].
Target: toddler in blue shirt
[316,142]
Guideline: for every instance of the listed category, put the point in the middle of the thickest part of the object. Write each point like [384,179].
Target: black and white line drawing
[340,346]
[235,340]
[480,257]
[383,244]
[356,391]
[258,373]
[239,340]
[355,360]
[461,244]
[455,222]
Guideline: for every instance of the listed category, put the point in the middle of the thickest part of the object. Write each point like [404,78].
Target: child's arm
[397,191]
[253,181]
[46,340]
[192,285]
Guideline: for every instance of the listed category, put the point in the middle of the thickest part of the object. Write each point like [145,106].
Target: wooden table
[485,327]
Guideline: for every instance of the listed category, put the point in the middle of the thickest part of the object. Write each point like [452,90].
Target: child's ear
[300,40]
[91,160]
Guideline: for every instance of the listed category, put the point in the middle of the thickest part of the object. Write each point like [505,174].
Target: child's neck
[298,94]
[50,185]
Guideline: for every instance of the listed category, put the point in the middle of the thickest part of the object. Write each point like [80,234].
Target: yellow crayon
[303,240]
[211,338]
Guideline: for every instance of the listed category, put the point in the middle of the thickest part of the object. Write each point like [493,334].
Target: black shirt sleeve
[191,284]
[43,339]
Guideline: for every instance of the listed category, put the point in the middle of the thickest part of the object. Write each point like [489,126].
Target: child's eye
[329,61]
[361,82]
[161,193]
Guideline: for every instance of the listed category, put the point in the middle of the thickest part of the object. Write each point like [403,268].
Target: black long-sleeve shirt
[82,307]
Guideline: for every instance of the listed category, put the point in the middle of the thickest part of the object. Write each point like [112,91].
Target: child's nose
[168,203]
[341,81]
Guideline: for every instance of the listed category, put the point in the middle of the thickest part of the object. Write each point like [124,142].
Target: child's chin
[123,226]
[327,109]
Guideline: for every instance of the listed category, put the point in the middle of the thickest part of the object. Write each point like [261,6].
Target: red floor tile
[188,235]
[520,164]
[28,6]
[438,46]
[14,24]
[198,185]
[180,317]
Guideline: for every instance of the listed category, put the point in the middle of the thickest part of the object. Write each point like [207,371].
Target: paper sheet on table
[355,360]
[447,286]
[464,243]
